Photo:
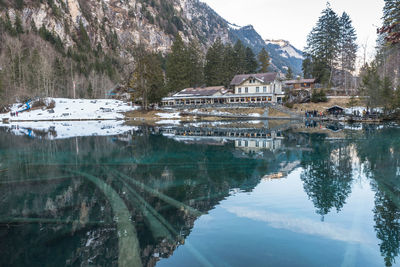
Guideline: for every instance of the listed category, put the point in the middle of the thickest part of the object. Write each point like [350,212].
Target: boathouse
[335,110]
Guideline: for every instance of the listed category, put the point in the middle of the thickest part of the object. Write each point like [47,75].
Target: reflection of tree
[327,176]
[380,163]
[387,219]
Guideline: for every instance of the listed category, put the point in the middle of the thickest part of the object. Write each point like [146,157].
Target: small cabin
[335,110]
[301,84]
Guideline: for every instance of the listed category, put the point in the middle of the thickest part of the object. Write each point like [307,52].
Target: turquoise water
[171,197]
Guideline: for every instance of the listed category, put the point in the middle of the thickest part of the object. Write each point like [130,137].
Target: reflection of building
[258,144]
[248,139]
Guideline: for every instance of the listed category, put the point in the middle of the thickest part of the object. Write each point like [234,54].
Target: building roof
[201,91]
[335,107]
[262,77]
[300,81]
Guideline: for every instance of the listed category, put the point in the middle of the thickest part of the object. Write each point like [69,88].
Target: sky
[292,20]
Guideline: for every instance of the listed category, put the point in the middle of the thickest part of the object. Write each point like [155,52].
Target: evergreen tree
[323,45]
[177,67]
[147,78]
[19,4]
[33,27]
[251,61]
[83,38]
[370,85]
[387,94]
[391,22]
[18,25]
[307,67]
[195,65]
[214,66]
[240,57]
[348,49]
[264,59]
[9,27]
[229,67]
[289,74]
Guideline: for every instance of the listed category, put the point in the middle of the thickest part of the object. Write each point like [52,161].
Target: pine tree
[323,45]
[195,64]
[147,78]
[387,94]
[370,85]
[251,61]
[9,27]
[307,67]
[264,59]
[240,57]
[18,25]
[19,4]
[289,74]
[213,69]
[229,67]
[391,22]
[177,67]
[348,49]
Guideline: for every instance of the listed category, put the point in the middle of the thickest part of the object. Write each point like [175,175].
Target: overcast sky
[292,20]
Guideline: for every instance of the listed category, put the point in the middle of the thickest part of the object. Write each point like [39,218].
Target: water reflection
[327,174]
[135,198]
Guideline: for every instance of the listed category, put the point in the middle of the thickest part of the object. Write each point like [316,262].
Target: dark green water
[300,199]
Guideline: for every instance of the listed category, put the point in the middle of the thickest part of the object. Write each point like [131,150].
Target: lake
[202,195]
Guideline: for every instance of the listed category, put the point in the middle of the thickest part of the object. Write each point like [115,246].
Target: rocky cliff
[154,22]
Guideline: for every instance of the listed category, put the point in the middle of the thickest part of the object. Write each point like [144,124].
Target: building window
[257,89]
[257,144]
[246,90]
[239,90]
[239,143]
[246,143]
[264,89]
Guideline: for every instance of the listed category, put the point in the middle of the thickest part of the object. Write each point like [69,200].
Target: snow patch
[74,109]
[175,115]
[64,130]
[169,122]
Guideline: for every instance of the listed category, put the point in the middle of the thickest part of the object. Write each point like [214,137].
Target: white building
[247,88]
[259,85]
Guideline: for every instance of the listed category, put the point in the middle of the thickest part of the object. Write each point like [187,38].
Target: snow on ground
[360,110]
[74,109]
[63,130]
[175,115]
[169,122]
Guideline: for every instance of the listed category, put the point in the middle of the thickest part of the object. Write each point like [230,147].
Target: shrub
[289,105]
[39,103]
[319,96]
[51,104]
[4,108]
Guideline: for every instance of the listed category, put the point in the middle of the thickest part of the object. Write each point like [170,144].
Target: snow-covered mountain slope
[288,50]
[283,54]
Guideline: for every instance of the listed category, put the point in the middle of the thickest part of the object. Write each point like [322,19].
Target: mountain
[283,54]
[89,44]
